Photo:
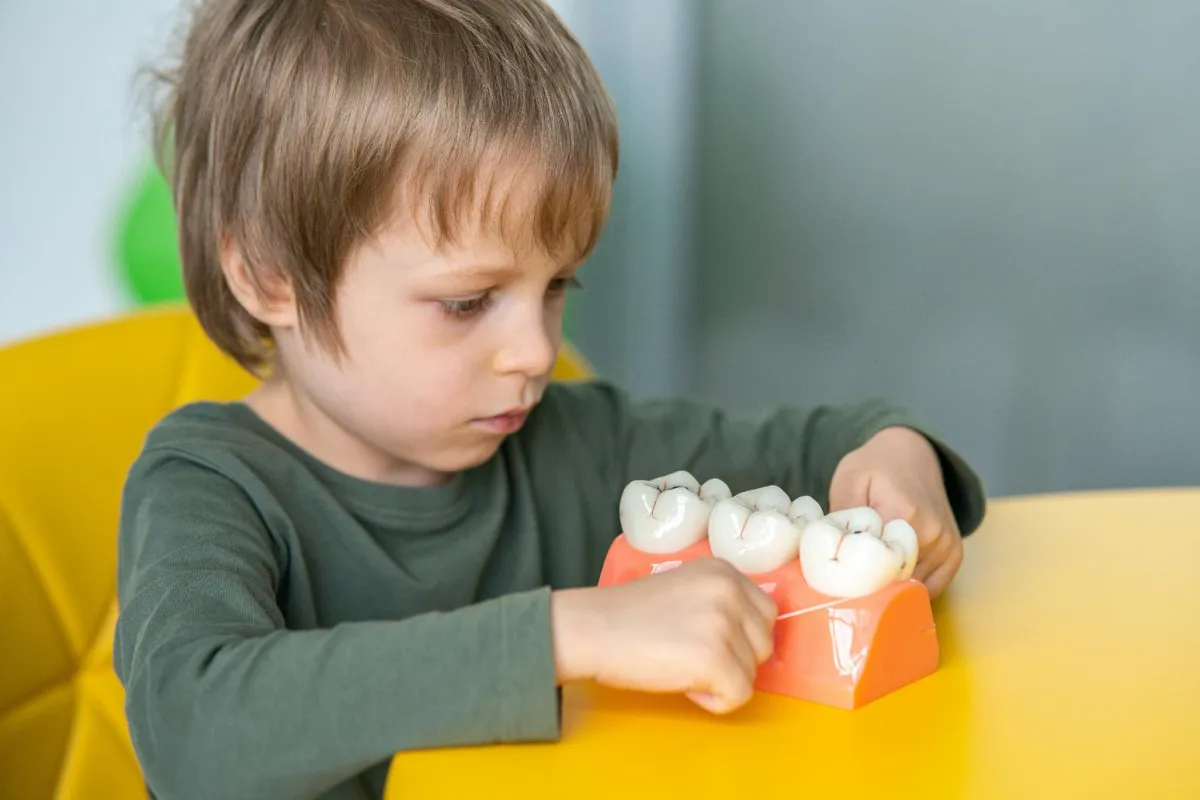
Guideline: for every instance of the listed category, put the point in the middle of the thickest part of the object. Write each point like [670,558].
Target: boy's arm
[223,701]
[797,448]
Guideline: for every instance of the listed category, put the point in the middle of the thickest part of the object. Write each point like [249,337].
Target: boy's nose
[530,351]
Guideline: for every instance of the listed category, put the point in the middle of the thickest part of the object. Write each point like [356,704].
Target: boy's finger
[705,700]
[742,652]
[944,573]
[849,491]
[760,640]
[734,689]
[715,703]
[761,603]
[927,561]
[931,559]
[931,542]
[727,686]
[938,538]
[758,621]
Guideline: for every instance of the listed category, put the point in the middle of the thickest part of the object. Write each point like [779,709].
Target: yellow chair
[75,407]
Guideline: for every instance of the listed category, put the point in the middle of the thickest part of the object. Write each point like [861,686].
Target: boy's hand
[701,629]
[897,473]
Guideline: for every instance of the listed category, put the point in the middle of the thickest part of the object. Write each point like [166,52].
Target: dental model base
[853,625]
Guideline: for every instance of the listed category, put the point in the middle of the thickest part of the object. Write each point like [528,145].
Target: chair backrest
[75,407]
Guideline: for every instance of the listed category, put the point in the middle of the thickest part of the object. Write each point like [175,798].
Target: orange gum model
[841,652]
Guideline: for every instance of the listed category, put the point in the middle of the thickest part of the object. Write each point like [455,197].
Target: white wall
[71,142]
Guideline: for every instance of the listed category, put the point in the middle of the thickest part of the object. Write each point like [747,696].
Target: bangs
[549,196]
[514,136]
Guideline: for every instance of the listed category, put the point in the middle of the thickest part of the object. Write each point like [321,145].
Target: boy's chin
[463,452]
[470,457]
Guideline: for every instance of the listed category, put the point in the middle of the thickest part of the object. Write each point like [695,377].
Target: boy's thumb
[849,490]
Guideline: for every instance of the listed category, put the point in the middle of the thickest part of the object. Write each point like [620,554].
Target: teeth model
[899,535]
[668,514]
[714,490]
[804,510]
[858,520]
[852,553]
[759,530]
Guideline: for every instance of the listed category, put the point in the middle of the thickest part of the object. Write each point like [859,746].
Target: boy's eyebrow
[490,271]
[466,272]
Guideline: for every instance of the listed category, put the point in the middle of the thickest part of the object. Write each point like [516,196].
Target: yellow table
[1070,668]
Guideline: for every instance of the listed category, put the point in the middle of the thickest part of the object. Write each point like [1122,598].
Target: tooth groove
[837,548]
[851,553]
[752,530]
[858,520]
[680,479]
[767,498]
[664,515]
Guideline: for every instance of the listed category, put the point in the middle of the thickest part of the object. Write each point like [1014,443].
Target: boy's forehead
[495,221]
[477,235]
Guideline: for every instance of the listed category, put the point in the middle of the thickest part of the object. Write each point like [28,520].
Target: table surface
[1070,666]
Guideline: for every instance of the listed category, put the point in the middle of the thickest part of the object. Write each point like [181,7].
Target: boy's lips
[508,422]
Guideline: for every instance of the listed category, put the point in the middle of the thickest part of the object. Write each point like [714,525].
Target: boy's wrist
[573,633]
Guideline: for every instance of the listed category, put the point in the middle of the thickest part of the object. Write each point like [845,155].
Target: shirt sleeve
[794,447]
[224,701]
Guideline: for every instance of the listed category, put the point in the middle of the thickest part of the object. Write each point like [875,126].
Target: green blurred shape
[147,247]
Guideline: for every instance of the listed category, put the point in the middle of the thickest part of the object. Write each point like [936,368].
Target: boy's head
[381,203]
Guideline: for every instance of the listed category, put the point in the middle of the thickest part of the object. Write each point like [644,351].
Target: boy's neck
[295,417]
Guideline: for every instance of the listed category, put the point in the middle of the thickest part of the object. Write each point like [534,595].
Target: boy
[393,542]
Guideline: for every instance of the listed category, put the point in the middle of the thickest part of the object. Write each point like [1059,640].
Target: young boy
[393,542]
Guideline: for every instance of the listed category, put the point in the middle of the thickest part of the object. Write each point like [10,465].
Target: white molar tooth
[858,520]
[846,554]
[767,498]
[664,515]
[804,510]
[680,479]
[752,531]
[714,490]
[901,537]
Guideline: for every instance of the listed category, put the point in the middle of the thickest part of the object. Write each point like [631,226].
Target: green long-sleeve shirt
[286,628]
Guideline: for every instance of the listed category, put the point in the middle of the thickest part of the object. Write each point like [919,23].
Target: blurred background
[986,212]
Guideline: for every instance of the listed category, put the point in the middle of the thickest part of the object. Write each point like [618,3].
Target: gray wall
[640,282]
[988,211]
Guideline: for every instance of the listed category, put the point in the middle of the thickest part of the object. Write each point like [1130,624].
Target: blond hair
[289,124]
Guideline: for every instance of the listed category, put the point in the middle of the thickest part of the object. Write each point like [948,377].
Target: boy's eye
[468,307]
[560,285]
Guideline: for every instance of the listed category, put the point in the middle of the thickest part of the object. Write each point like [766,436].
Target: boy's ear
[268,298]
